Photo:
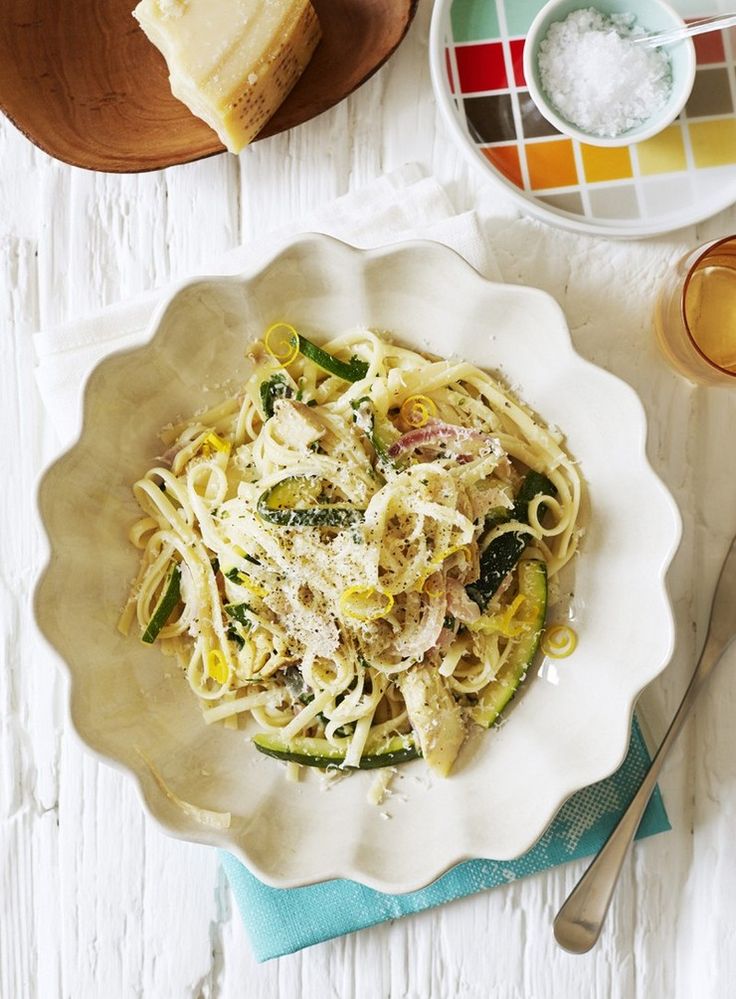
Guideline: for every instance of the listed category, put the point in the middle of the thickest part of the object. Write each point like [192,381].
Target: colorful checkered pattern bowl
[680,176]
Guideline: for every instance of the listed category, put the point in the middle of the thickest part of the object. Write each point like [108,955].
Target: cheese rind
[232,62]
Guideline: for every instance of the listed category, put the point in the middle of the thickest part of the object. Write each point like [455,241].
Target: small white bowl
[653,15]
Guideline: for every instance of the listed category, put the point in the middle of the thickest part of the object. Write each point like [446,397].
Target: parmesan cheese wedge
[232,62]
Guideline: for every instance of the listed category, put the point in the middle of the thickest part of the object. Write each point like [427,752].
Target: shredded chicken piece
[459,603]
[296,424]
[483,500]
[417,638]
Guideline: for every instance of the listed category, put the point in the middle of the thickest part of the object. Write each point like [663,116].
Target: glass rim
[708,248]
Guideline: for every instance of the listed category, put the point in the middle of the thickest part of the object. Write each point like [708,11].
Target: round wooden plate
[80,79]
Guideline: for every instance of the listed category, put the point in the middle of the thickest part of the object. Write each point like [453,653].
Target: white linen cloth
[398,206]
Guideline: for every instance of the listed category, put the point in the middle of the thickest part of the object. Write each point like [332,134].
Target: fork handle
[698,26]
[580,920]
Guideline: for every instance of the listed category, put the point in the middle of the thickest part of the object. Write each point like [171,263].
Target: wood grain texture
[82,81]
[94,900]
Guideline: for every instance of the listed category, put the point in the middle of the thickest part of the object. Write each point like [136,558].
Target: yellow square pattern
[713,142]
[602,163]
[551,164]
[663,153]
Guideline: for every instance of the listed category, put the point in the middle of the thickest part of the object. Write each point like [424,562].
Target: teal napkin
[280,921]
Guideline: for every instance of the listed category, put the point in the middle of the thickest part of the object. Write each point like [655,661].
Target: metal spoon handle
[580,920]
[716,22]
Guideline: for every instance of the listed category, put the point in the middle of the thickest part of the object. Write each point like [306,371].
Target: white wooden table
[95,901]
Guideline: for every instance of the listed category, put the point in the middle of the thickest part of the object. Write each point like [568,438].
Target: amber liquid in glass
[710,306]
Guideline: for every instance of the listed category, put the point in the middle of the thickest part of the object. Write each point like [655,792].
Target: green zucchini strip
[495,697]
[277,506]
[502,554]
[351,371]
[167,603]
[322,754]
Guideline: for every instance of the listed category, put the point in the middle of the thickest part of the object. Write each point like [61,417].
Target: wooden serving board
[80,79]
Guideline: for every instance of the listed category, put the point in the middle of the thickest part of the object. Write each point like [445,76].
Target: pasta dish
[354,550]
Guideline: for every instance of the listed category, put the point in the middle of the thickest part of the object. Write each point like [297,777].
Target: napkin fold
[399,206]
[280,921]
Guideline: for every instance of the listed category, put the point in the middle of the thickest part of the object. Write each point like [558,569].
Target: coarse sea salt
[597,78]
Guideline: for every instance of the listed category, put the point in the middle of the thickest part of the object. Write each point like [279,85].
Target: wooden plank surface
[94,900]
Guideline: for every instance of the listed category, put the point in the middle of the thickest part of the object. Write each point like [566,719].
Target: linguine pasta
[337,550]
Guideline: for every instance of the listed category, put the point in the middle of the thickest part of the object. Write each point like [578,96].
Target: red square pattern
[481,67]
[517,60]
[709,48]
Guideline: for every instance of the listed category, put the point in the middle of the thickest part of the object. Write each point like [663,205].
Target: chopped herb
[233,636]
[275,388]
[295,681]
[239,613]
[165,607]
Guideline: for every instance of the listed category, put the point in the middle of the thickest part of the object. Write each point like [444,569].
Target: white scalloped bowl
[131,705]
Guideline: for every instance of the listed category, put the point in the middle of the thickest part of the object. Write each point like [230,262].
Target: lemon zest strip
[437,563]
[417,410]
[218,443]
[254,588]
[364,593]
[559,641]
[217,666]
[282,358]
[503,624]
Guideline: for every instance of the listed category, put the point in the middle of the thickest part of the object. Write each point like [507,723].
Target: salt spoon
[580,920]
[699,26]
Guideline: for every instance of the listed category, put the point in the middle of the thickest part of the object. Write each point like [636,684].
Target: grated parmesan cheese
[379,789]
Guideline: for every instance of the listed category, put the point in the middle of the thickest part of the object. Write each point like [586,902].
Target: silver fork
[580,920]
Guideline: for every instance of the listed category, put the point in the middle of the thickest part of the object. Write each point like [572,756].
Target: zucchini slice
[353,370]
[321,753]
[498,693]
[500,557]
[165,607]
[278,505]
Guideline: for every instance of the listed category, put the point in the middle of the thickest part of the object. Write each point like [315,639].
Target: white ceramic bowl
[653,15]
[131,705]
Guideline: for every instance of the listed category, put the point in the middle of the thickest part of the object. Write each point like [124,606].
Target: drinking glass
[695,317]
